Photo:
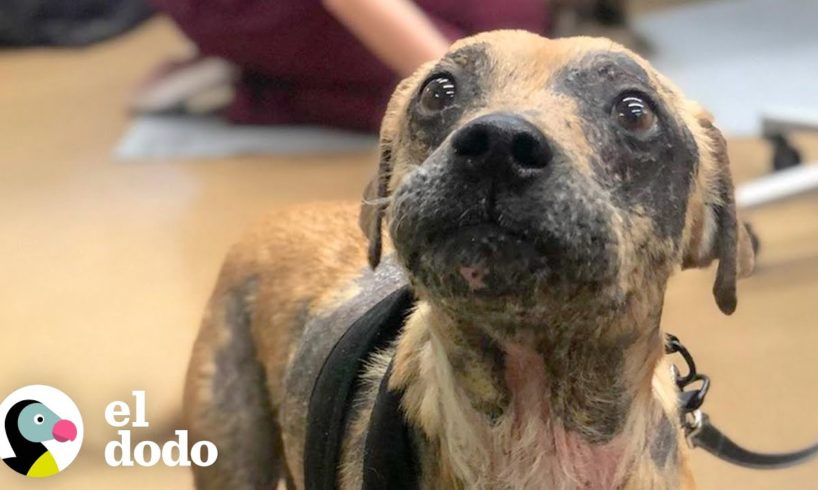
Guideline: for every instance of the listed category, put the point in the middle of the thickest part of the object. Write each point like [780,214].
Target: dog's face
[535,177]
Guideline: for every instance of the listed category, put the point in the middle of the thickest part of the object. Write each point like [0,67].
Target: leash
[700,431]
[390,452]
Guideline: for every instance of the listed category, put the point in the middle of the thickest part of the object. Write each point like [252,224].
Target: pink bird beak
[64,430]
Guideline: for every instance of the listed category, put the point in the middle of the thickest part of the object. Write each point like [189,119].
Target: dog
[537,195]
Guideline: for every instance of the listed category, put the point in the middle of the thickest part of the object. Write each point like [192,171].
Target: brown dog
[538,194]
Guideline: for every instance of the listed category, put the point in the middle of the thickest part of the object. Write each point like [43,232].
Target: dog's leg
[226,398]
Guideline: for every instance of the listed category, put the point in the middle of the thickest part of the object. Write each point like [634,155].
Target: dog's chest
[529,448]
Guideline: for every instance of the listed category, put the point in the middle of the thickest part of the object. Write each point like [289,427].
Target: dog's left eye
[634,113]
[438,93]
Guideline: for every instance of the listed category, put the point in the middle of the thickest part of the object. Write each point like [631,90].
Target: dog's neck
[560,411]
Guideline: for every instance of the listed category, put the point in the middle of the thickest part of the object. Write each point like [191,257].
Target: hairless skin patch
[654,172]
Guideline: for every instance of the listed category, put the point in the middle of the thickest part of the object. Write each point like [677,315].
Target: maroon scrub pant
[301,66]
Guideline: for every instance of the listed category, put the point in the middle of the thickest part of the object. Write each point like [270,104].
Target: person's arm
[396,31]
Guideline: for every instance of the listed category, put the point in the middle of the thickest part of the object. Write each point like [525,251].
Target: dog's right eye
[437,94]
[634,113]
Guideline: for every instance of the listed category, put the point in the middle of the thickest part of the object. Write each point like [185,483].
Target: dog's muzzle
[497,211]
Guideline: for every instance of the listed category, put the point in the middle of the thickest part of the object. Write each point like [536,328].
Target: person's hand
[176,83]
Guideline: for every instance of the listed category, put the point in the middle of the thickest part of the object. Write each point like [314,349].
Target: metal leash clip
[701,433]
[690,400]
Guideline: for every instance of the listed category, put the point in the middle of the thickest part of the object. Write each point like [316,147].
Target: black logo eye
[634,113]
[39,419]
[437,94]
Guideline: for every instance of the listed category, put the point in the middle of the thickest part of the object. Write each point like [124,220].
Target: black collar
[390,453]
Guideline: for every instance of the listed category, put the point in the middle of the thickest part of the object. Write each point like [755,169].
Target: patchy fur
[534,357]
[528,446]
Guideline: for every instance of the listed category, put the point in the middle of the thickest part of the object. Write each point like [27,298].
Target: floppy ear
[376,194]
[374,204]
[716,232]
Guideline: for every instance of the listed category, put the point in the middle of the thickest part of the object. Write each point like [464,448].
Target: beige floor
[106,266]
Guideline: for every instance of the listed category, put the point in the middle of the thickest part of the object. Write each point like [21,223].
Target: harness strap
[390,455]
[334,389]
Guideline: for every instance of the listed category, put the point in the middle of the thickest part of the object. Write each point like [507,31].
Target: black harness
[390,452]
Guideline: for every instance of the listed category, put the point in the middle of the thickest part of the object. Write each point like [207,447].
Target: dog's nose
[501,144]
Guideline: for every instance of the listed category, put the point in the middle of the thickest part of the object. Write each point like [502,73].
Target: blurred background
[138,140]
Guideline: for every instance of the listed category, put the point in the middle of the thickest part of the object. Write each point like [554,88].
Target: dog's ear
[714,228]
[376,194]
[373,205]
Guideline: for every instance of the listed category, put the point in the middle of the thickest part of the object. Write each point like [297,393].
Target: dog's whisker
[378,201]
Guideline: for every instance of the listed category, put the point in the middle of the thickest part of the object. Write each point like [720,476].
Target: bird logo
[43,431]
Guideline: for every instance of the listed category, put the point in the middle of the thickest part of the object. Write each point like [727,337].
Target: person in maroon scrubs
[333,62]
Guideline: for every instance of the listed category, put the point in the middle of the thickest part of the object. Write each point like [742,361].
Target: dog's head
[526,176]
